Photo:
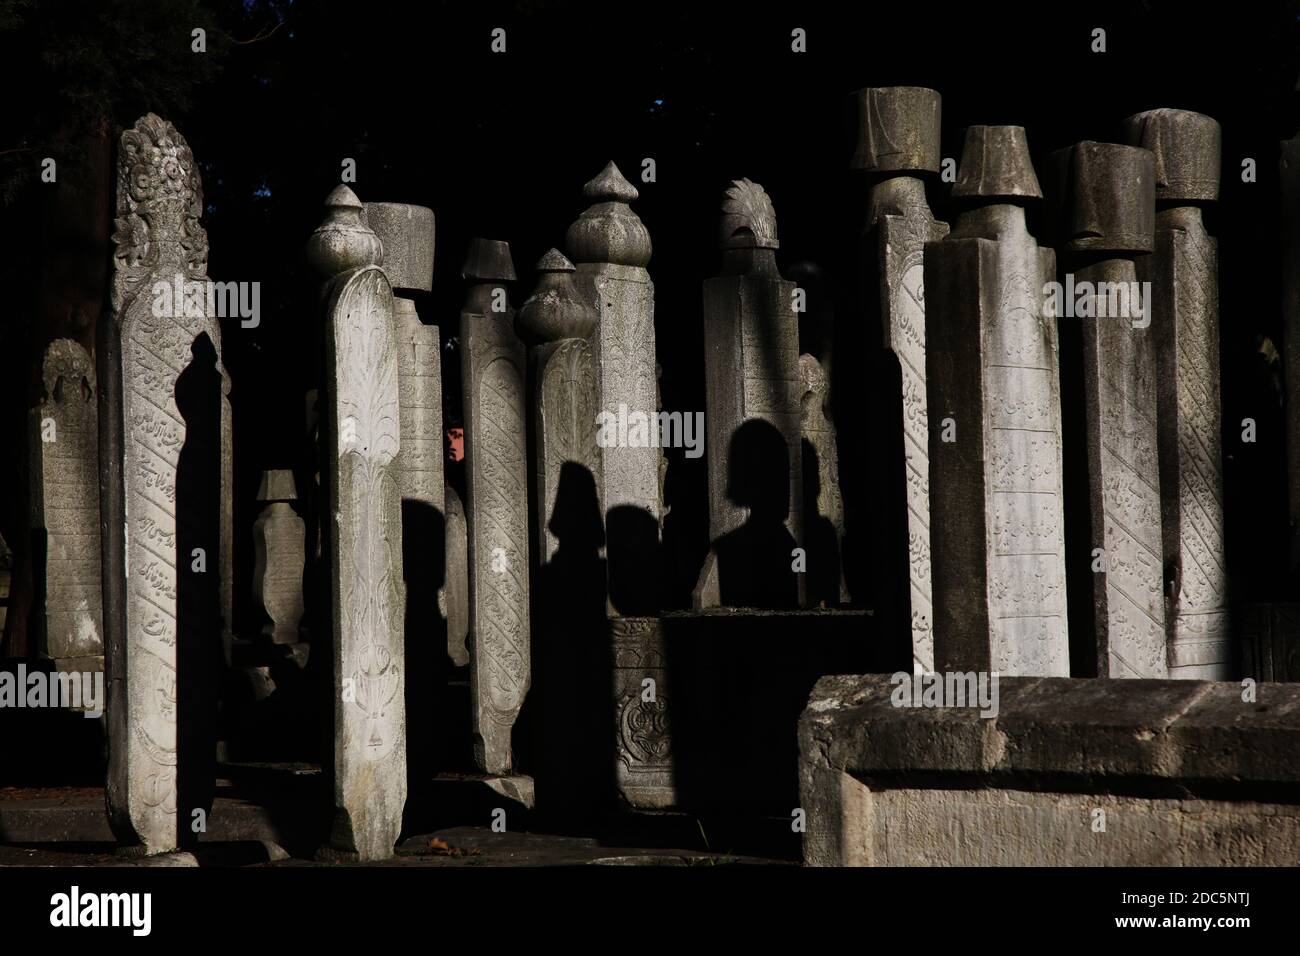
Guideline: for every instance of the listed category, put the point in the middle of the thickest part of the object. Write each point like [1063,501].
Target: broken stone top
[1187,148]
[343,241]
[1108,196]
[488,260]
[897,129]
[68,363]
[748,219]
[995,165]
[159,202]
[277,485]
[407,233]
[609,231]
[555,310]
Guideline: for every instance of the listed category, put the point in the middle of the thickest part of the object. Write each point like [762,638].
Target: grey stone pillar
[456,591]
[68,619]
[611,248]
[753,417]
[164,493]
[996,528]
[1184,277]
[360,445]
[280,556]
[1106,196]
[897,146]
[494,371]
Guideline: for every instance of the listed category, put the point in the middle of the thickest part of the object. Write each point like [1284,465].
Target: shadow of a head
[758,470]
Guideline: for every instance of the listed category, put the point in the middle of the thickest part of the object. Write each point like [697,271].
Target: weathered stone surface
[644,768]
[611,248]
[1202,769]
[65,508]
[456,589]
[1270,641]
[997,542]
[1107,195]
[559,323]
[360,444]
[824,510]
[1184,276]
[407,234]
[493,374]
[165,493]
[898,139]
[753,391]
[279,557]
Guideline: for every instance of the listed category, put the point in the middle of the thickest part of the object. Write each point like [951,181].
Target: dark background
[499,145]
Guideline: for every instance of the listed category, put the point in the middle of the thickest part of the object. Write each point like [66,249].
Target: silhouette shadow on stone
[820,541]
[755,560]
[572,756]
[424,560]
[633,552]
[199,652]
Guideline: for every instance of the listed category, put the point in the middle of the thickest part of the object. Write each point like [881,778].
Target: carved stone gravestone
[279,557]
[360,444]
[611,248]
[164,494]
[1184,276]
[456,590]
[494,371]
[65,512]
[997,542]
[753,391]
[897,145]
[1106,196]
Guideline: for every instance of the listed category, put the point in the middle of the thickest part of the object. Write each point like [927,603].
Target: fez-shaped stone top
[407,233]
[488,260]
[1106,197]
[277,485]
[995,164]
[609,231]
[343,241]
[897,129]
[555,310]
[1188,149]
[748,219]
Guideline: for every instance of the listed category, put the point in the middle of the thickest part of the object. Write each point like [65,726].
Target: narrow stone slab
[494,370]
[65,508]
[997,530]
[360,442]
[610,247]
[1107,198]
[165,483]
[898,144]
[753,416]
[279,558]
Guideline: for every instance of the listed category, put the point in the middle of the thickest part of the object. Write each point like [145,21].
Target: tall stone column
[1184,277]
[494,370]
[897,147]
[65,512]
[1107,195]
[996,526]
[360,445]
[611,248]
[164,485]
[570,631]
[753,417]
